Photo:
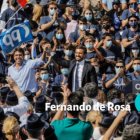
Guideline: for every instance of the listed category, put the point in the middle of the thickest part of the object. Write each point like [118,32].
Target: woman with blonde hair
[37,12]
[11,128]
[95,117]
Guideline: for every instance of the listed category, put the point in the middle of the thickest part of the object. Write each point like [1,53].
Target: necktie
[76,77]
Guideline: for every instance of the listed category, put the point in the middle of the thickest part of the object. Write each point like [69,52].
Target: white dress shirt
[80,73]
[19,109]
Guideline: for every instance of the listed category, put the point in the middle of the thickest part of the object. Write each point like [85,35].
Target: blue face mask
[44,76]
[52,11]
[133,24]
[108,44]
[68,52]
[136,67]
[65,71]
[88,17]
[59,36]
[89,45]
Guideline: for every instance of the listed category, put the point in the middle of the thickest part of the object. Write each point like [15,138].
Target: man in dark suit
[80,71]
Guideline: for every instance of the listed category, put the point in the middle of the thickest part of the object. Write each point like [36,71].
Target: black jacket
[88,75]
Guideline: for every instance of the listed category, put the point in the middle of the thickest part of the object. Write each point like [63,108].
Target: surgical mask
[135,52]
[136,67]
[68,52]
[52,11]
[133,24]
[108,44]
[96,69]
[27,57]
[45,76]
[117,70]
[88,17]
[82,27]
[59,36]
[89,45]
[65,71]
[96,133]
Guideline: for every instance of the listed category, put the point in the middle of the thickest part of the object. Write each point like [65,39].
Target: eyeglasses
[119,66]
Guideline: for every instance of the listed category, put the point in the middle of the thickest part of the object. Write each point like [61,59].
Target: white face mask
[96,133]
[117,70]
[52,11]
[96,69]
[27,57]
[82,27]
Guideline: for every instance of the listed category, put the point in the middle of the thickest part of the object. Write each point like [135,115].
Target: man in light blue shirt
[23,72]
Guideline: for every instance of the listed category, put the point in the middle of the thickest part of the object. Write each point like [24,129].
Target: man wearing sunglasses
[119,80]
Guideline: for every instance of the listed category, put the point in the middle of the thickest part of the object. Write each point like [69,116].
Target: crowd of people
[82,51]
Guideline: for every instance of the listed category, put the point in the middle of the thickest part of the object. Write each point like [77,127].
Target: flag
[15,36]
[23,2]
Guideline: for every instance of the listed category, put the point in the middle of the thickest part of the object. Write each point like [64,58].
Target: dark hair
[69,46]
[83,19]
[34,133]
[107,34]
[90,9]
[64,38]
[120,61]
[137,58]
[52,3]
[91,90]
[82,48]
[131,132]
[28,11]
[42,42]
[133,16]
[33,25]
[21,133]
[89,37]
[113,93]
[14,3]
[75,99]
[19,50]
[105,18]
